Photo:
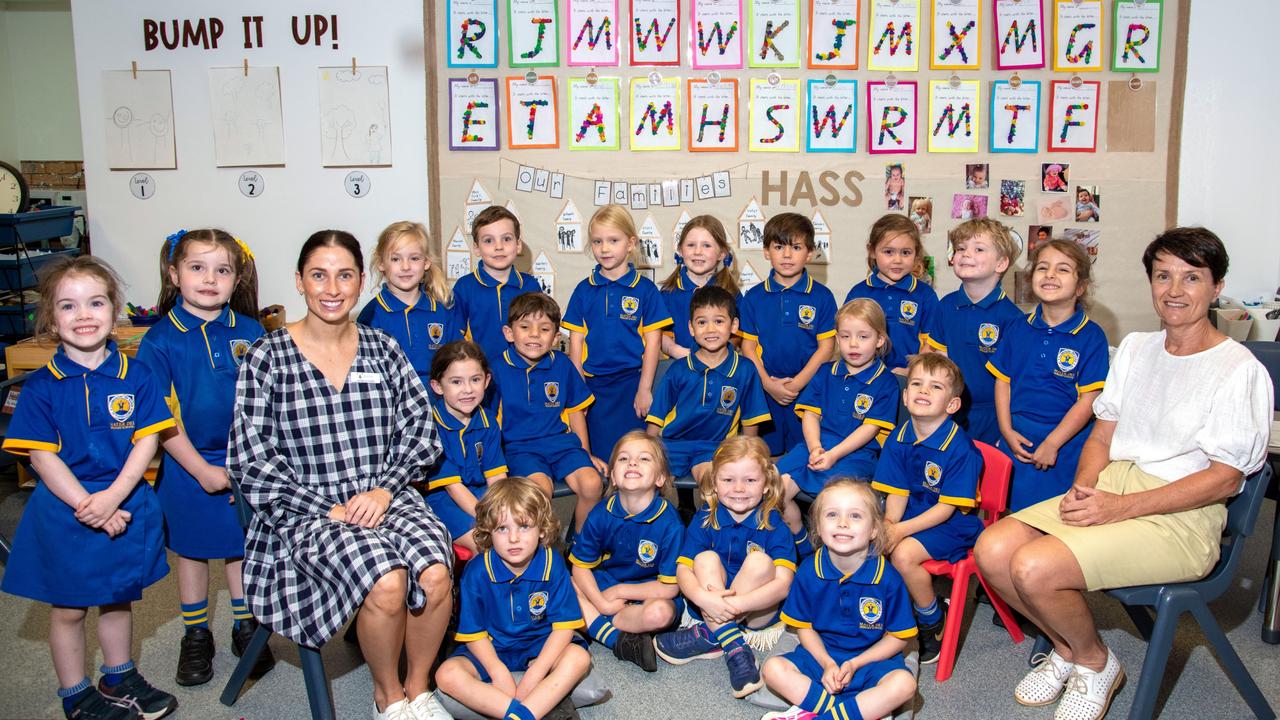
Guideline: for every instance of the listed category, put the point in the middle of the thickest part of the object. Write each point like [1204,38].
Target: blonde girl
[703,257]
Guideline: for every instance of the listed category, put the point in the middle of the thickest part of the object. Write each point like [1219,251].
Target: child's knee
[577,659]
[659,613]
[452,671]
[901,685]
[757,563]
[586,483]
[775,669]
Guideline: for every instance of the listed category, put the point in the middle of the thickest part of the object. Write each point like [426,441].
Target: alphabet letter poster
[533,116]
[1077,35]
[891,117]
[1136,47]
[715,33]
[655,114]
[473,114]
[473,33]
[1073,117]
[1019,34]
[954,116]
[775,116]
[593,114]
[713,116]
[834,29]
[593,32]
[894,32]
[533,33]
[831,117]
[1015,117]
[775,33]
[655,32]
[957,35]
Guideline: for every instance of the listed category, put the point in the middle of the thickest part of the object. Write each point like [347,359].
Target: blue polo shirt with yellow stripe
[481,304]
[614,315]
[421,328]
[787,322]
[908,305]
[536,399]
[623,548]
[472,450]
[697,402]
[850,612]
[517,612]
[732,540]
[1048,368]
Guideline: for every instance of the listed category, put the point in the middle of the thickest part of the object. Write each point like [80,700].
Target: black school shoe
[195,657]
[240,638]
[134,691]
[96,706]
[564,710]
[637,648]
[931,640]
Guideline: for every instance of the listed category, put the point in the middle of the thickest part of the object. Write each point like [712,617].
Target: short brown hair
[1078,256]
[534,302]
[1196,246]
[452,353]
[783,227]
[491,215]
[521,499]
[858,487]
[52,275]
[998,231]
[938,364]
[888,226]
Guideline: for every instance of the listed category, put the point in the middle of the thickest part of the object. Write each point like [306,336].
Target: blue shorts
[557,455]
[951,541]
[795,463]
[683,455]
[516,660]
[604,581]
[864,678]
[786,432]
[456,519]
[980,422]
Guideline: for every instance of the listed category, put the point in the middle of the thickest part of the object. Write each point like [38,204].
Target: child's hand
[824,461]
[1045,456]
[834,678]
[601,466]
[613,603]
[118,523]
[213,479]
[1018,445]
[892,536]
[716,607]
[780,390]
[814,454]
[644,399]
[96,509]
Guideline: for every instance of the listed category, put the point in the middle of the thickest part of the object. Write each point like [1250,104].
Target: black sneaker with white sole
[637,648]
[931,640]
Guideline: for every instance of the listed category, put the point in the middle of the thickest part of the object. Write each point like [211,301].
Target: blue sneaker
[692,643]
[744,676]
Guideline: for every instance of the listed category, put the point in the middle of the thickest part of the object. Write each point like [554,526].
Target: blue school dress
[472,455]
[197,361]
[613,316]
[908,307]
[421,328]
[90,418]
[1047,369]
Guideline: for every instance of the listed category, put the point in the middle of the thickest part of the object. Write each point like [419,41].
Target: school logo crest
[807,314]
[728,396]
[239,348]
[552,391]
[752,547]
[538,604]
[630,305]
[988,334]
[1067,359]
[907,309]
[870,609]
[120,406]
[646,553]
[479,448]
[932,474]
[862,404]
[435,331]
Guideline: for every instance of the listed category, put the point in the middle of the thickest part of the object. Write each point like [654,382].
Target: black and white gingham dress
[298,447]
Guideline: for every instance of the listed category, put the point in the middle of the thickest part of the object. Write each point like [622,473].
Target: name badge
[365,377]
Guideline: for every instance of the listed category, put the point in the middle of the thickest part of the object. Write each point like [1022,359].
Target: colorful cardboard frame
[712,105]
[473,114]
[533,33]
[960,48]
[955,116]
[1015,117]
[650,38]
[1131,52]
[834,34]
[716,34]
[594,115]
[831,116]
[590,23]
[1019,34]
[463,43]
[774,34]
[540,125]
[774,114]
[891,117]
[654,115]
[893,35]
[1073,116]
[1077,35]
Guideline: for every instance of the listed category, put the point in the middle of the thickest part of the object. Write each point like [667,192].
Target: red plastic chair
[993,500]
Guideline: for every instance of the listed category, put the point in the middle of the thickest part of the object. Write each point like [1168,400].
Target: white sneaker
[1045,683]
[427,707]
[1088,693]
[398,710]
[791,713]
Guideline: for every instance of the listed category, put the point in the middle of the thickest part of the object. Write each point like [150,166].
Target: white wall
[39,62]
[8,135]
[300,197]
[1230,155]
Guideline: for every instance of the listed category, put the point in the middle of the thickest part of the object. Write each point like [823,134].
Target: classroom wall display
[774,40]
[775,116]
[892,36]
[593,114]
[1019,34]
[715,33]
[533,113]
[713,115]
[956,35]
[248,126]
[655,35]
[831,116]
[834,31]
[533,33]
[593,33]
[1073,116]
[955,115]
[473,33]
[473,114]
[891,117]
[355,116]
[138,107]
[1015,117]
[1077,35]
[1136,45]
[655,114]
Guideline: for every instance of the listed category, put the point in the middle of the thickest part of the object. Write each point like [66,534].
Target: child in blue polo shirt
[483,297]
[209,299]
[470,438]
[91,533]
[520,613]
[852,613]
[712,393]
[788,325]
[895,256]
[930,469]
[703,257]
[846,412]
[615,319]
[971,322]
[1048,371]
[542,399]
[414,305]
[736,563]
[624,562]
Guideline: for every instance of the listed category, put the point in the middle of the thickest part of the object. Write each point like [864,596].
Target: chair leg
[1236,670]
[1153,664]
[955,616]
[235,683]
[1039,650]
[1141,618]
[4,550]
[1002,609]
[318,696]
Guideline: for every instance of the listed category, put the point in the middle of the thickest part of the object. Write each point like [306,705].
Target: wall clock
[14,193]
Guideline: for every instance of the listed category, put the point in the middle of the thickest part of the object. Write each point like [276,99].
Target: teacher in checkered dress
[331,425]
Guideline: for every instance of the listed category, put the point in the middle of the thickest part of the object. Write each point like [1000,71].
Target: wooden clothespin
[353,66]
[246,67]
[135,69]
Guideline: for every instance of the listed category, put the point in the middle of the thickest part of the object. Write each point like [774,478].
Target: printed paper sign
[655,32]
[478,194]
[679,228]
[1015,117]
[457,264]
[1073,117]
[655,114]
[1077,35]
[831,117]
[891,117]
[569,237]
[834,29]
[956,39]
[533,28]
[592,32]
[775,33]
[569,214]
[751,227]
[473,33]
[473,114]
[715,33]
[1138,28]
[457,241]
[747,276]
[532,113]
[954,116]
[821,239]
[1019,34]
[593,114]
[894,32]
[713,116]
[722,186]
[775,116]
[650,247]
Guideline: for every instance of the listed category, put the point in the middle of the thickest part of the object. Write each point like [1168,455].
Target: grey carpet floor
[988,667]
